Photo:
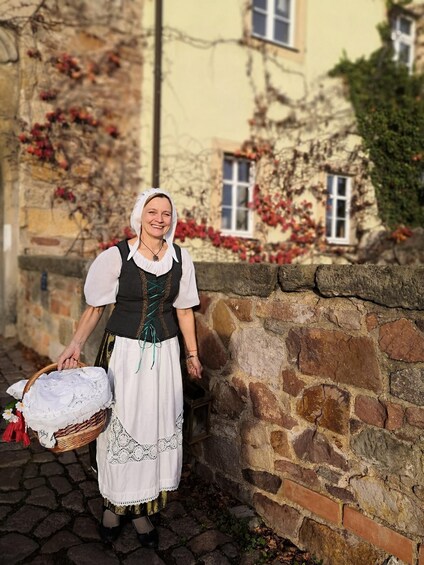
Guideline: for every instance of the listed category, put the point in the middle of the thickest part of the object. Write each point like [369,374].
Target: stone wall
[317,379]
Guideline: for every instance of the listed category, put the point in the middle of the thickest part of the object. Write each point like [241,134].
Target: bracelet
[190,356]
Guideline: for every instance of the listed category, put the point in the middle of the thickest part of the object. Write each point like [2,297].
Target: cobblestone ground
[50,505]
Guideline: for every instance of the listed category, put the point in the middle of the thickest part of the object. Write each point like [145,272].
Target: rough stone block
[415,417]
[255,445]
[266,407]
[297,277]
[327,406]
[344,315]
[211,349]
[226,400]
[237,278]
[380,536]
[377,283]
[371,321]
[241,491]
[223,454]
[408,384]
[251,349]
[291,383]
[290,308]
[337,356]
[283,519]
[205,301]
[395,416]
[223,323]
[300,474]
[263,480]
[370,410]
[340,493]
[312,446]
[241,308]
[389,505]
[280,443]
[337,547]
[313,501]
[402,340]
[389,454]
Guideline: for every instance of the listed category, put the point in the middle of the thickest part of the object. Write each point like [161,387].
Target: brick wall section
[383,537]
[317,380]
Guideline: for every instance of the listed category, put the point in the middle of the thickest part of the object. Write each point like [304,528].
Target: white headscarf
[136,218]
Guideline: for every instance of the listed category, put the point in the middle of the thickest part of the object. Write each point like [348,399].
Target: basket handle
[47,369]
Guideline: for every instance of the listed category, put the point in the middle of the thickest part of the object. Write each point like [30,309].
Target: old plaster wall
[317,379]
[9,194]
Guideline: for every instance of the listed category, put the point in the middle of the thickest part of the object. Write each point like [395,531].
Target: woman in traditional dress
[151,283]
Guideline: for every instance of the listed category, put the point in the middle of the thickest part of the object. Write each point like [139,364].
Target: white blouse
[102,282]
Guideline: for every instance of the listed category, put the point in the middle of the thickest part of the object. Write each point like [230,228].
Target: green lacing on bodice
[155,293]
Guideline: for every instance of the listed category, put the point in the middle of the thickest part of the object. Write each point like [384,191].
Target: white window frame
[234,183]
[399,38]
[335,197]
[270,14]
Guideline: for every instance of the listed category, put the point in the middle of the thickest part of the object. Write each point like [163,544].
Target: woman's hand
[194,367]
[69,358]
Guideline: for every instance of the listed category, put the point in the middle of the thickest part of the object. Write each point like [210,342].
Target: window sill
[243,235]
[336,241]
[275,43]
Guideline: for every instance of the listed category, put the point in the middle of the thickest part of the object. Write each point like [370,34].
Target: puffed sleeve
[101,284]
[187,295]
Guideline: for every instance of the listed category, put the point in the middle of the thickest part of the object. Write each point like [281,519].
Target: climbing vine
[389,107]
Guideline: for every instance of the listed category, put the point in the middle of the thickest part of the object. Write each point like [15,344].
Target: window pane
[404,53]
[241,220]
[243,171]
[405,26]
[226,219]
[242,196]
[282,8]
[259,24]
[330,184]
[340,228]
[341,209]
[281,31]
[261,4]
[341,186]
[226,195]
[228,169]
[328,226]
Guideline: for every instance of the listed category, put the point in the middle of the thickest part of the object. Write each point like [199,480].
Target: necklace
[155,255]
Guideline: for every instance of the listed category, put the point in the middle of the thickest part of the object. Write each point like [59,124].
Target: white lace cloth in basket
[63,398]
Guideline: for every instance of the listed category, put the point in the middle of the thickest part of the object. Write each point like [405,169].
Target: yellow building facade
[257,143]
[230,84]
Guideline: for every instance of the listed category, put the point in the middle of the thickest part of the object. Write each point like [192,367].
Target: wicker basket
[75,435]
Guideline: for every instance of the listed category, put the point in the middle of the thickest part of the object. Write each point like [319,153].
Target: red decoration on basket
[16,430]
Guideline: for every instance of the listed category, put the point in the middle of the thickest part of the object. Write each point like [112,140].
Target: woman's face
[156,217]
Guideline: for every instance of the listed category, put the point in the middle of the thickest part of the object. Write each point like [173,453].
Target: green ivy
[389,107]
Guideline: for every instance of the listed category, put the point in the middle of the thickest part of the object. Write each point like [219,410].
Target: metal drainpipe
[157,92]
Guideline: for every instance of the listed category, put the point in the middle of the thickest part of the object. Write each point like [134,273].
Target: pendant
[155,258]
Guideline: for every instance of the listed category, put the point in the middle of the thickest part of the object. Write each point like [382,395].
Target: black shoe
[150,540]
[109,535]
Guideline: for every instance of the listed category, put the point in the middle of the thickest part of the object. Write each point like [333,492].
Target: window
[403,37]
[337,210]
[236,215]
[273,20]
